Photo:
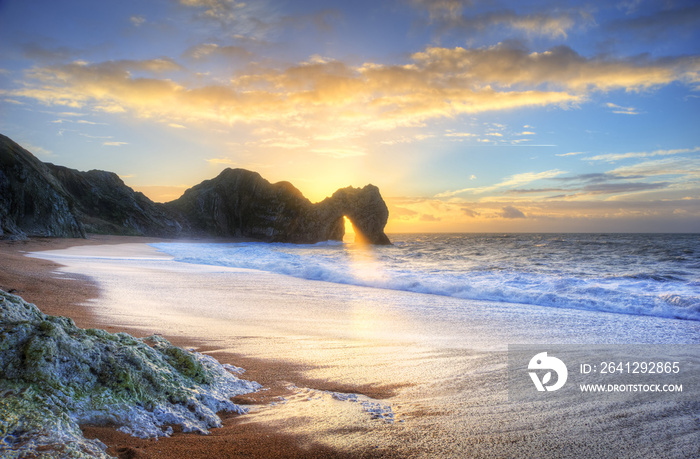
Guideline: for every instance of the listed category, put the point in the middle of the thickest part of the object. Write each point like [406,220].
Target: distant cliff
[40,199]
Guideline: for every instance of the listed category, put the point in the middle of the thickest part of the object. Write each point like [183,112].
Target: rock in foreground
[55,376]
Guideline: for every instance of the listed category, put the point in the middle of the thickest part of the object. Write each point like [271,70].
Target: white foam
[394,270]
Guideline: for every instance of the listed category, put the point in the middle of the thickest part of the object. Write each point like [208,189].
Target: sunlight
[349,231]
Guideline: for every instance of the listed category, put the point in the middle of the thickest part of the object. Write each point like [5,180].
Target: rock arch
[365,209]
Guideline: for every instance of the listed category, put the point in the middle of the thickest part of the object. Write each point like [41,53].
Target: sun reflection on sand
[365,318]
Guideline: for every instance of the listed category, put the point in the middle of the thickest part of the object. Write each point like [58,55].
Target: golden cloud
[437,83]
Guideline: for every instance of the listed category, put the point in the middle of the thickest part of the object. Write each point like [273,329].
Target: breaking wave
[628,274]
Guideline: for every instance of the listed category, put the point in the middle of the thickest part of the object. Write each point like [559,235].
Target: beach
[350,370]
[38,282]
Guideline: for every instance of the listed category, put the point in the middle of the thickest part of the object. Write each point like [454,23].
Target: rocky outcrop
[38,199]
[55,376]
[104,204]
[32,201]
[240,203]
[365,209]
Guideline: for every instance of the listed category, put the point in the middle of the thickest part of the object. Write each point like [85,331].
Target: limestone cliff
[39,199]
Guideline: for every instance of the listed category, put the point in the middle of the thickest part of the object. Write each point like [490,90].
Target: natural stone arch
[365,209]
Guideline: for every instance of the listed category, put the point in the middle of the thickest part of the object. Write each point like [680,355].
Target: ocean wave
[429,272]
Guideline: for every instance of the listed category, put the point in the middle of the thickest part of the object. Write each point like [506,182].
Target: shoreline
[36,280]
[436,366]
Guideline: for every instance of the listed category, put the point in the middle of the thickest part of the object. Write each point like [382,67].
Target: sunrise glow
[469,116]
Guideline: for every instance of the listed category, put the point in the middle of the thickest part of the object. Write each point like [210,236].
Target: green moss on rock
[54,376]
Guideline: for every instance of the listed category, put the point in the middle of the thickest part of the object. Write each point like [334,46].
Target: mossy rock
[54,375]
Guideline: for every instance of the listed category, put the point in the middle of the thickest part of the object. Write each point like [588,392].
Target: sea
[639,274]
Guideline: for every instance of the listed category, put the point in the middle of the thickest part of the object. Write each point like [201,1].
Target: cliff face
[241,203]
[32,201]
[38,199]
[105,205]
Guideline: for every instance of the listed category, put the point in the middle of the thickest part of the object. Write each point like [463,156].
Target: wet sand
[39,282]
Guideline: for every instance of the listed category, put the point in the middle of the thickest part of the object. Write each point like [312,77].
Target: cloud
[442,9]
[449,15]
[545,24]
[560,67]
[375,97]
[40,53]
[658,25]
[214,51]
[92,123]
[610,157]
[114,144]
[622,110]
[617,188]
[429,218]
[332,95]
[137,20]
[223,10]
[537,190]
[403,139]
[249,20]
[621,181]
[659,167]
[470,213]
[399,212]
[514,180]
[572,153]
[511,212]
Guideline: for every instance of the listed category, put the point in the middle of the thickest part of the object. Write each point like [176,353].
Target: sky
[470,116]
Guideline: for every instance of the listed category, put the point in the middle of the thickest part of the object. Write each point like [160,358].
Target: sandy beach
[37,281]
[347,370]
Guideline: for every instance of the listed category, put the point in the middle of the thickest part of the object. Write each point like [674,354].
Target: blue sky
[469,116]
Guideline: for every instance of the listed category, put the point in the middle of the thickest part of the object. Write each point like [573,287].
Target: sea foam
[585,274]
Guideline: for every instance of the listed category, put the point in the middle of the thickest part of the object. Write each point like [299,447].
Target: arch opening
[349,235]
[352,234]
